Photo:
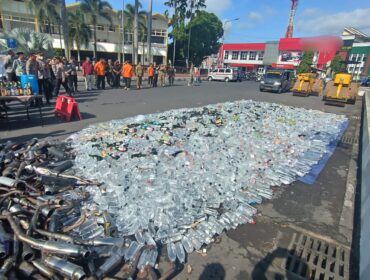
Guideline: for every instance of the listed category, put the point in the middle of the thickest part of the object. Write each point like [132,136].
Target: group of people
[56,72]
[51,74]
[111,72]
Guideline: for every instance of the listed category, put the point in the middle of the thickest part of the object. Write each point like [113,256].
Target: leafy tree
[306,63]
[29,41]
[129,17]
[96,9]
[184,10]
[79,32]
[208,30]
[45,10]
[337,65]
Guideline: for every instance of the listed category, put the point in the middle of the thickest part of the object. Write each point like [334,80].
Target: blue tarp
[311,177]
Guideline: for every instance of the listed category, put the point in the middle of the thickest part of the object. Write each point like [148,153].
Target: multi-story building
[17,13]
[360,53]
[285,53]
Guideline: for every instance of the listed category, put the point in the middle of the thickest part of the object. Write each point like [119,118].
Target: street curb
[347,215]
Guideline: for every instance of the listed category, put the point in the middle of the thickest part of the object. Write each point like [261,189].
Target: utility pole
[65,28]
[149,30]
[136,33]
[189,38]
[174,36]
[123,30]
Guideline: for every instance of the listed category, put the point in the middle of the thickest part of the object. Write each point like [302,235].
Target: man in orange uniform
[127,73]
[150,74]
[100,73]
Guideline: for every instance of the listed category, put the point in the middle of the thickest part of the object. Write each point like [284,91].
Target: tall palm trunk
[136,33]
[64,20]
[95,46]
[149,37]
[174,36]
[78,56]
[143,52]
[60,37]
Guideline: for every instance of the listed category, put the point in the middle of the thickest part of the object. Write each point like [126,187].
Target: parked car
[366,82]
[223,74]
[277,81]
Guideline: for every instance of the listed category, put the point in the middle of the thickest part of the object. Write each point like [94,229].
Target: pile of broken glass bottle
[182,177]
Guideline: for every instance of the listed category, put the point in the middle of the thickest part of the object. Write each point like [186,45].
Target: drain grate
[315,259]
[349,140]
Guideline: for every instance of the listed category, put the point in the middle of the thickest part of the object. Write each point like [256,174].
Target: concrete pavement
[269,249]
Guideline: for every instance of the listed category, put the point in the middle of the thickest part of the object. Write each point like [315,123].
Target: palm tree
[96,9]
[79,32]
[45,10]
[29,41]
[129,15]
[143,30]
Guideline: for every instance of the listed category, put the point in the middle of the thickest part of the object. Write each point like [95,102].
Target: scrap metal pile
[103,202]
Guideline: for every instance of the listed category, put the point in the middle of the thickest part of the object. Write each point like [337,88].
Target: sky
[266,20]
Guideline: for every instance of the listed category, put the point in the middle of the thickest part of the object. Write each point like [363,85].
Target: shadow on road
[264,271]
[213,271]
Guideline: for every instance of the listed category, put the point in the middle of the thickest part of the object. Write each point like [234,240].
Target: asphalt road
[250,251]
[111,104]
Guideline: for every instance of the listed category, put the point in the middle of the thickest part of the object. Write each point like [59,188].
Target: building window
[100,27]
[226,56]
[235,55]
[112,29]
[364,59]
[358,58]
[261,55]
[252,55]
[243,55]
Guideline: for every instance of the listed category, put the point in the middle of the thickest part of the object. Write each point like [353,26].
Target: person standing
[171,75]
[100,72]
[60,78]
[162,75]
[150,74]
[19,66]
[155,74]
[191,74]
[88,73]
[127,72]
[109,72]
[139,74]
[40,74]
[67,73]
[8,64]
[32,68]
[74,79]
[117,68]
[197,76]
[48,81]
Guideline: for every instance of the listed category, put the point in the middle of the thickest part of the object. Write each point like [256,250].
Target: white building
[17,13]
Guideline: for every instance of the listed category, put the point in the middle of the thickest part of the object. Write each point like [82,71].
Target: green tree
[129,18]
[143,30]
[208,31]
[183,10]
[337,65]
[79,32]
[29,41]
[45,11]
[95,9]
[306,63]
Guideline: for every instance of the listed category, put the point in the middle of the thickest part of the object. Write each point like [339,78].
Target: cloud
[334,23]
[218,6]
[310,12]
[255,17]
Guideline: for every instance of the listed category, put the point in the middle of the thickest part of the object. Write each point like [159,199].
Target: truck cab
[277,81]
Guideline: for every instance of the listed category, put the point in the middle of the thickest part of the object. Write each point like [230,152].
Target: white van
[223,74]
